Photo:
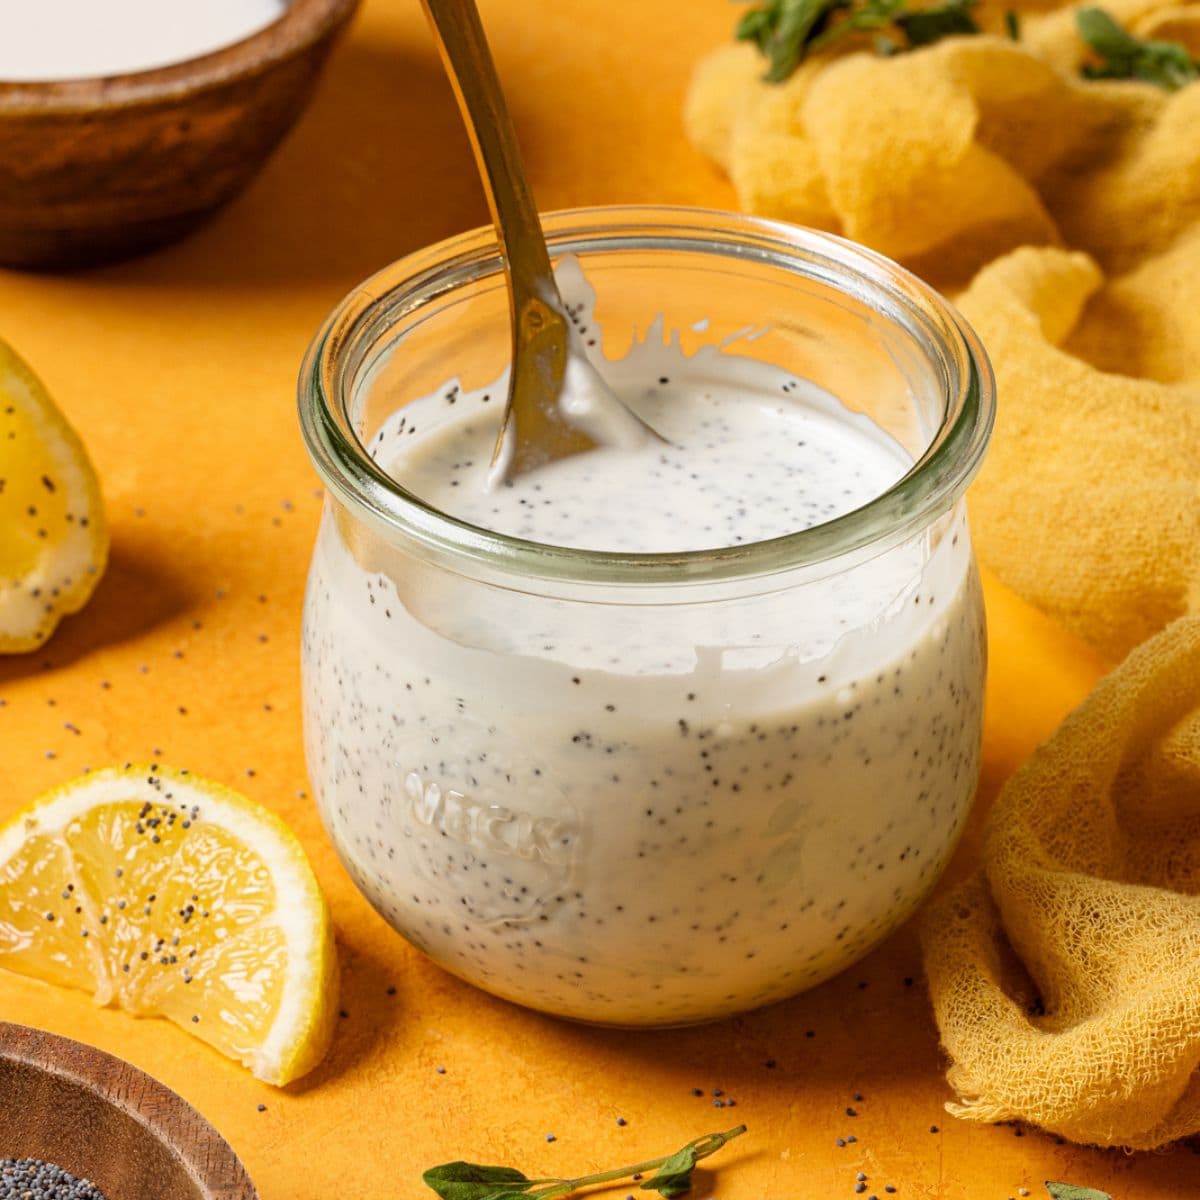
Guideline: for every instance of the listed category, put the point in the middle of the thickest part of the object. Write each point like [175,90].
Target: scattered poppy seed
[860,1176]
[841,1141]
[441,1070]
[857,1097]
[551,1138]
[622,1121]
[851,1112]
[860,1187]
[262,1108]
[933,1129]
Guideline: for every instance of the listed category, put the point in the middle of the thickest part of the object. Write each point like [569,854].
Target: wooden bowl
[98,169]
[104,1120]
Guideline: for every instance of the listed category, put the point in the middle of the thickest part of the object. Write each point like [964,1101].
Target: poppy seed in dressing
[661,810]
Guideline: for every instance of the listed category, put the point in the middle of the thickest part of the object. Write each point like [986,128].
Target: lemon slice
[167,895]
[53,536]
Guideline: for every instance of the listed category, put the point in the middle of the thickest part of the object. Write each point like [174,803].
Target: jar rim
[929,488]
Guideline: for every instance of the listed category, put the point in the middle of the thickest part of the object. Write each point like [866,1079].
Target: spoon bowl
[548,359]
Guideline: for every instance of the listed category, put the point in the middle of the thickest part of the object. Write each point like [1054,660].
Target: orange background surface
[178,370]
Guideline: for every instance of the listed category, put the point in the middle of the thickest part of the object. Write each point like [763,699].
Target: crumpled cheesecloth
[1088,504]
[950,158]
[1066,976]
[1063,215]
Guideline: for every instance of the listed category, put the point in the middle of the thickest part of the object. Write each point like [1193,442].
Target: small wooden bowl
[104,1120]
[98,169]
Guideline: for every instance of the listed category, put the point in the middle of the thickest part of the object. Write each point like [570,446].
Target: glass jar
[643,789]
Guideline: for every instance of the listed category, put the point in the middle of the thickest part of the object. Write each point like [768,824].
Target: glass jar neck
[935,336]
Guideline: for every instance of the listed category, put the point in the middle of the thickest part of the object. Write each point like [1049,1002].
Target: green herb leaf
[470,1181]
[924,26]
[787,31]
[1012,25]
[676,1185]
[755,26]
[673,1175]
[874,14]
[1166,64]
[1072,1191]
[781,30]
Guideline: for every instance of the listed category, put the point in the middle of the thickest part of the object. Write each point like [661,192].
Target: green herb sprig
[787,31]
[1166,64]
[672,1176]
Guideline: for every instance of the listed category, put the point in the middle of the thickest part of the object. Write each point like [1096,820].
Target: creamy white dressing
[647,813]
[80,39]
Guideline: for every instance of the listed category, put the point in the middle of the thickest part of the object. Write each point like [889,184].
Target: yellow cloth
[1066,979]
[1089,501]
[948,157]
[1067,984]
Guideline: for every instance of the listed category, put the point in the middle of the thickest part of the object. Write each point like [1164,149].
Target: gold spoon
[535,430]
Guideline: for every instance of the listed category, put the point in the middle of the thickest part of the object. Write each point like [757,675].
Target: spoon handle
[534,430]
[468,62]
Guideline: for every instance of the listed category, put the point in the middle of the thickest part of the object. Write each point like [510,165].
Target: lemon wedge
[53,536]
[167,895]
